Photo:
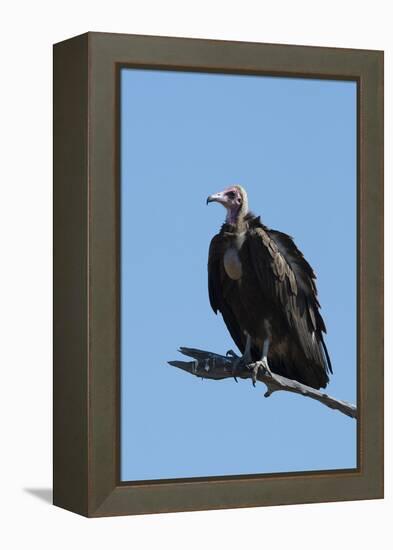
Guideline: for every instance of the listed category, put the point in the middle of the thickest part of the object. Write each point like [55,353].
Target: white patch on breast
[232,264]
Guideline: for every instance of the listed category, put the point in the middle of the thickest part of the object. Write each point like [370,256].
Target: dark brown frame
[86,274]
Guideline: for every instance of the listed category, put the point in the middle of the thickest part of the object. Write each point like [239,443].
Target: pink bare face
[231,198]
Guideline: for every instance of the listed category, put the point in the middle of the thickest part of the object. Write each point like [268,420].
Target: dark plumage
[265,290]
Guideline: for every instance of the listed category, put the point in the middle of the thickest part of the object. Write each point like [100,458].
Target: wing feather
[283,270]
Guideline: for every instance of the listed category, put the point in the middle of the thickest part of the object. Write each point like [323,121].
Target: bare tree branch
[218,367]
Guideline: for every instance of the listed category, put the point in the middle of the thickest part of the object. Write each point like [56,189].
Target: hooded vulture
[265,290]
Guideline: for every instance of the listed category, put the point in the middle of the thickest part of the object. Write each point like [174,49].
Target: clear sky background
[292,144]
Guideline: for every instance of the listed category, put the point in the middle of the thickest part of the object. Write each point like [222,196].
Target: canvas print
[238,271]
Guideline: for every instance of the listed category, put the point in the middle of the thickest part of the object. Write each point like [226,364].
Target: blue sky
[291,143]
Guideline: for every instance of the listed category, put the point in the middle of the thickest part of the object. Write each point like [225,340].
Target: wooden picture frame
[86,274]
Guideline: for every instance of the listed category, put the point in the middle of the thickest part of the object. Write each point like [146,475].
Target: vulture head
[235,201]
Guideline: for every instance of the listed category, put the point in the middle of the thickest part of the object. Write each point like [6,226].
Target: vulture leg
[264,361]
[265,351]
[245,359]
[247,352]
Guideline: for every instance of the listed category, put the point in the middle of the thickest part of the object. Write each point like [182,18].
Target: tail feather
[327,356]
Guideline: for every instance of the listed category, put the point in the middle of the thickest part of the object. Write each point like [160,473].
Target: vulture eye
[231,195]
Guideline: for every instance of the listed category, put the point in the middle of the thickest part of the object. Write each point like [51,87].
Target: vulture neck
[237,218]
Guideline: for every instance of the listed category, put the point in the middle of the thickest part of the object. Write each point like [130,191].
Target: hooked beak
[216,197]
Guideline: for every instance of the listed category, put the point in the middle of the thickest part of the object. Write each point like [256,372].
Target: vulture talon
[239,364]
[233,355]
[254,375]
[265,366]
